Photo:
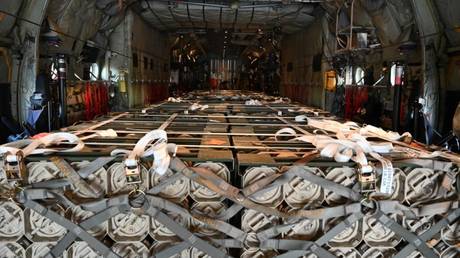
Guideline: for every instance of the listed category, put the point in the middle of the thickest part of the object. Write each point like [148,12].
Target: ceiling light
[235,4]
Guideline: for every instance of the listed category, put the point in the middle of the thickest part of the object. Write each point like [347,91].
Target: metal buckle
[367,178]
[132,172]
[14,166]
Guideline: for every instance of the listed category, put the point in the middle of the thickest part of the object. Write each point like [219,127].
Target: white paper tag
[388,171]
[387,179]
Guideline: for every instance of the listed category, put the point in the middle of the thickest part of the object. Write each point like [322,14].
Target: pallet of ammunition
[230,174]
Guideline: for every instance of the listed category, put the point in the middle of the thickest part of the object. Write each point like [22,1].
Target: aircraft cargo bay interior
[239,128]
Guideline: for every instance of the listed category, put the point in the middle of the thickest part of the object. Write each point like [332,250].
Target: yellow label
[330,80]
[122,85]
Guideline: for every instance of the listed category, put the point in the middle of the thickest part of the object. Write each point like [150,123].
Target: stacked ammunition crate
[235,187]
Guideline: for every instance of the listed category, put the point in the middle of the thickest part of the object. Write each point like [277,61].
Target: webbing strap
[407,235]
[284,179]
[274,231]
[172,250]
[71,227]
[94,166]
[206,175]
[87,224]
[165,183]
[100,205]
[167,205]
[326,184]
[295,253]
[286,244]
[435,208]
[430,163]
[389,206]
[348,145]
[230,212]
[28,147]
[40,194]
[228,243]
[427,235]
[51,184]
[159,149]
[223,227]
[68,171]
[220,186]
[219,225]
[330,234]
[348,222]
[183,233]
[260,184]
[84,172]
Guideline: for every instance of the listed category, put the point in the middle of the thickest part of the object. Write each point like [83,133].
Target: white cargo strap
[349,145]
[253,102]
[159,150]
[370,130]
[333,126]
[109,133]
[196,106]
[301,118]
[35,146]
[14,153]
[285,132]
[174,100]
[347,127]
[281,100]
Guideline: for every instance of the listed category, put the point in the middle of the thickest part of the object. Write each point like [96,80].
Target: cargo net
[118,207]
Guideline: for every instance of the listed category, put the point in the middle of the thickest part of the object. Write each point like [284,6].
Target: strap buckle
[9,193]
[14,166]
[133,171]
[367,178]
